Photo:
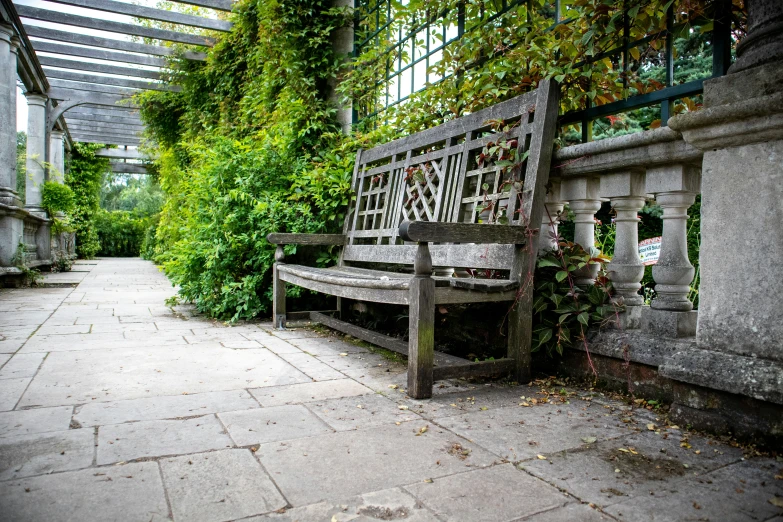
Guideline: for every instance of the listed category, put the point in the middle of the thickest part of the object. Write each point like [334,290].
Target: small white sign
[650,250]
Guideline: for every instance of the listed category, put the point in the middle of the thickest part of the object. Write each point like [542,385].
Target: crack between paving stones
[165,491]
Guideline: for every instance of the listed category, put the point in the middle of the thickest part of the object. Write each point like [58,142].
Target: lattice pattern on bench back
[435,175]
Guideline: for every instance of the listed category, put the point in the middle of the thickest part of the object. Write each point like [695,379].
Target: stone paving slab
[135,440]
[311,366]
[351,413]
[11,391]
[514,495]
[218,486]
[160,408]
[388,504]
[131,493]
[639,465]
[39,420]
[519,433]
[37,454]
[272,424]
[740,492]
[309,392]
[116,374]
[348,463]
[22,365]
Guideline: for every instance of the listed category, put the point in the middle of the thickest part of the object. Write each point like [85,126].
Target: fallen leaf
[393,386]
[541,457]
[651,427]
[776,501]
[623,450]
[402,407]
[343,354]
[422,430]
[588,440]
[524,404]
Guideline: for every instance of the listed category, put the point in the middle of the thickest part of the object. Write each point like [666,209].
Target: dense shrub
[120,233]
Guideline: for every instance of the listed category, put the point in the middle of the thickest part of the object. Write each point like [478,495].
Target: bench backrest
[436,175]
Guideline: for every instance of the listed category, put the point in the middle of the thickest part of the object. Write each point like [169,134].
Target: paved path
[114,406]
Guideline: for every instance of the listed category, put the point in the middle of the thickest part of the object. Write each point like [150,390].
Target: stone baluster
[675,188]
[550,219]
[56,156]
[36,152]
[626,191]
[583,200]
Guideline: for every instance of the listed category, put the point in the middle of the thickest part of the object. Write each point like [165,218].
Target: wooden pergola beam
[90,87]
[108,80]
[109,43]
[98,68]
[46,15]
[128,168]
[107,140]
[120,154]
[138,11]
[220,5]
[79,117]
[100,54]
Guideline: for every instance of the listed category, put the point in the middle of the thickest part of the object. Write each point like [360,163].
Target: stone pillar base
[11,233]
[667,323]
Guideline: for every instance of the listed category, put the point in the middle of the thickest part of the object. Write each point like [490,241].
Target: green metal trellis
[376,16]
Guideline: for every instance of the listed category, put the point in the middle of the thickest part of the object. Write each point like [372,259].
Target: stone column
[36,152]
[56,156]
[547,238]
[738,363]
[583,200]
[342,43]
[8,195]
[627,194]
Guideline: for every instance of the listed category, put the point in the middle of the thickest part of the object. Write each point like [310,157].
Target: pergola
[79,86]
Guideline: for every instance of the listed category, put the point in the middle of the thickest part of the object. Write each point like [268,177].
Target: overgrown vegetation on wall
[84,175]
[251,145]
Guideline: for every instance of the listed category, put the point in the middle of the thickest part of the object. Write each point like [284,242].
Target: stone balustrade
[627,171]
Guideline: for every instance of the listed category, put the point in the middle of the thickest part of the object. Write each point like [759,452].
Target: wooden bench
[418,201]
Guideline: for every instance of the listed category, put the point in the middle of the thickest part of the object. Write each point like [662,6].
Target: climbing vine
[84,176]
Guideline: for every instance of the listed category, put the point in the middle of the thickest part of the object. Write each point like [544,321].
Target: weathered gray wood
[109,43]
[119,111]
[83,97]
[90,87]
[278,289]
[306,239]
[96,81]
[99,68]
[138,11]
[89,129]
[421,326]
[493,369]
[338,289]
[120,154]
[128,168]
[103,119]
[220,5]
[462,233]
[458,256]
[115,127]
[46,15]
[108,140]
[384,341]
[100,54]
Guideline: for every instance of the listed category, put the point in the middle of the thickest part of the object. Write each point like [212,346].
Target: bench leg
[421,337]
[520,337]
[278,299]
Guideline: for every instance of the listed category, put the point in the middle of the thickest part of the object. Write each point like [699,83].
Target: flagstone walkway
[115,406]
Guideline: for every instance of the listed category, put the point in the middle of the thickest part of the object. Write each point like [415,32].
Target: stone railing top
[630,152]
[22,213]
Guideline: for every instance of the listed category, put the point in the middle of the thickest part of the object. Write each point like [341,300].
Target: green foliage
[57,197]
[248,147]
[121,233]
[21,167]
[84,175]
[140,193]
[563,312]
[30,276]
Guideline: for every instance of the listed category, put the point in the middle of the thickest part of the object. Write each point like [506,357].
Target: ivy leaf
[583,318]
[562,274]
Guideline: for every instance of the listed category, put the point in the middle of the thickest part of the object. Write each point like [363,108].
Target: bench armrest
[426,231]
[306,239]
